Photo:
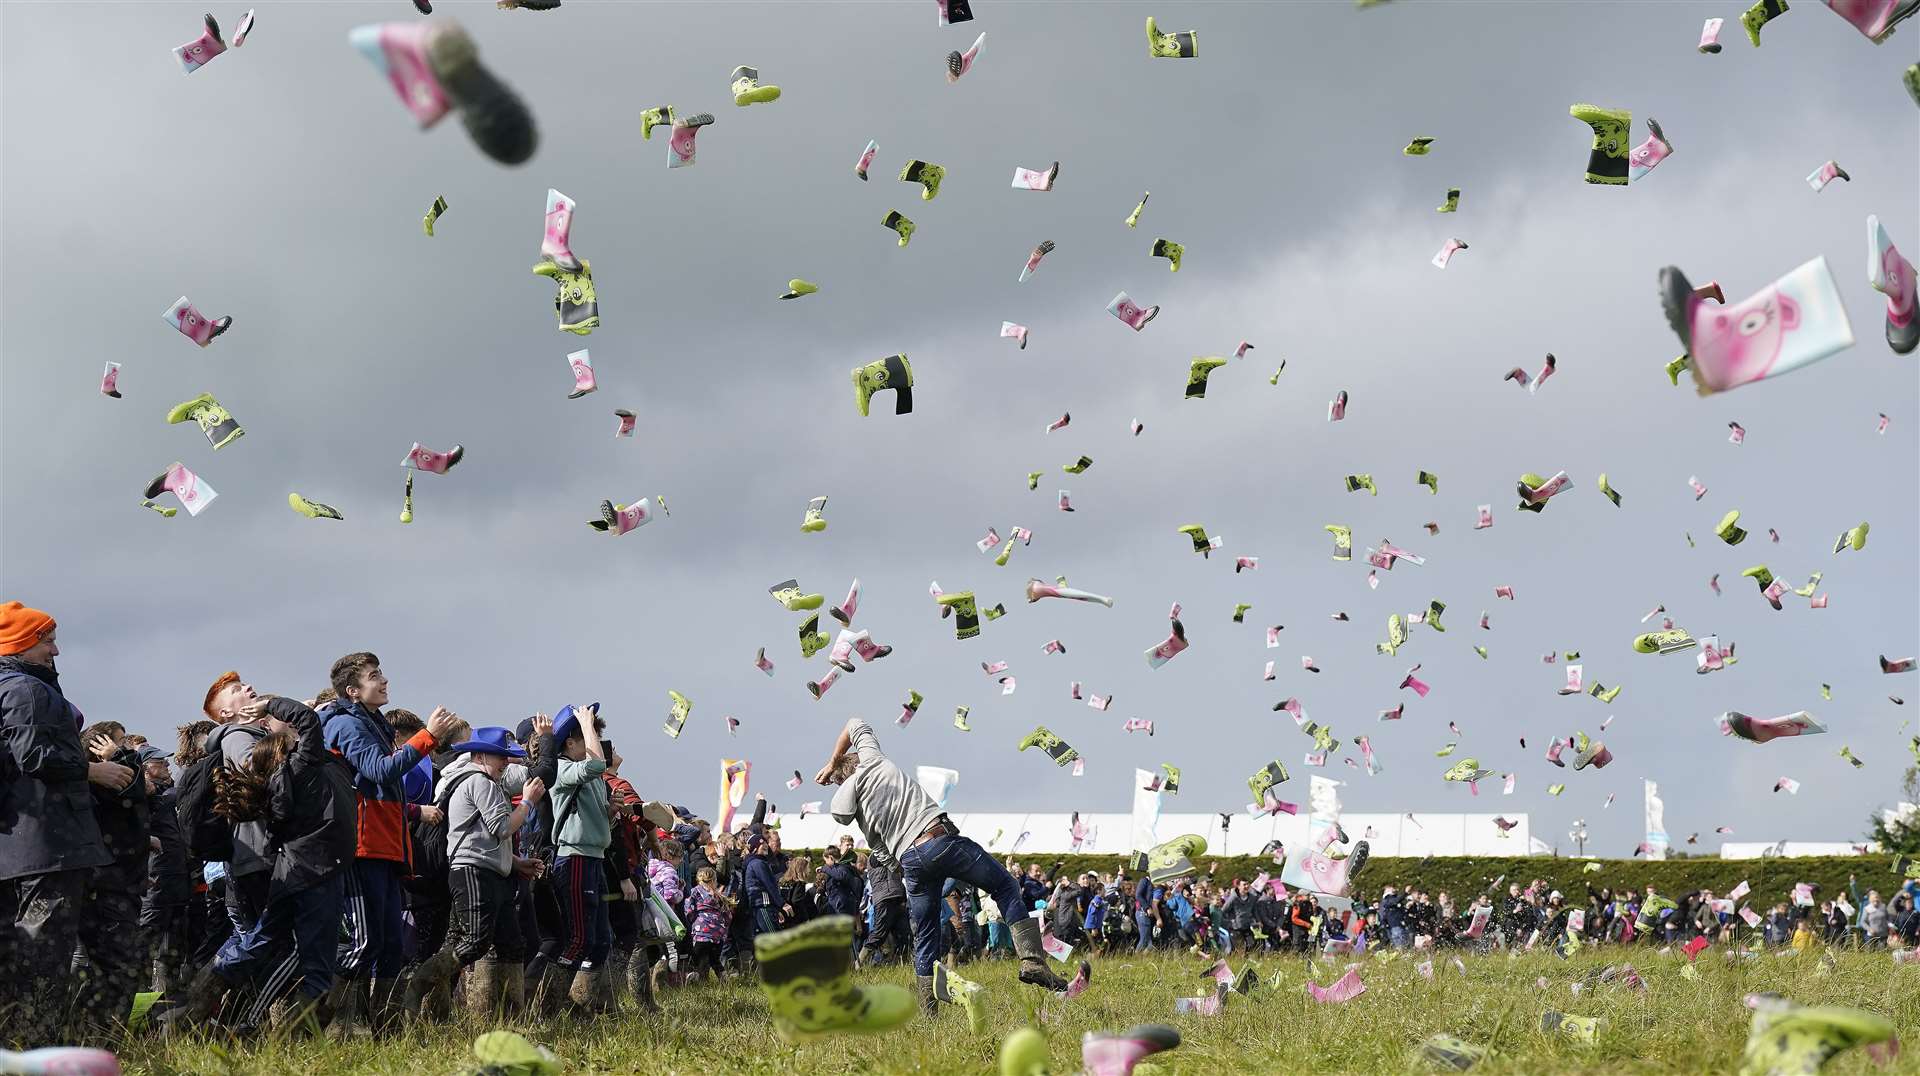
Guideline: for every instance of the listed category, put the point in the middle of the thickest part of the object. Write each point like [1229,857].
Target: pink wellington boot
[845,610]
[1037,590]
[1891,274]
[435,68]
[1332,876]
[194,325]
[426,459]
[1793,322]
[1132,314]
[869,650]
[1168,648]
[1761,729]
[1110,1054]
[1644,157]
[554,241]
[1874,18]
[583,381]
[959,63]
[199,52]
[623,518]
[680,147]
[820,687]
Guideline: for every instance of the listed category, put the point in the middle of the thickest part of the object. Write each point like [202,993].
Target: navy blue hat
[148,753]
[524,731]
[492,740]
[566,723]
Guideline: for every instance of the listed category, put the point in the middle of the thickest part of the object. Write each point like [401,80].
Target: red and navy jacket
[365,740]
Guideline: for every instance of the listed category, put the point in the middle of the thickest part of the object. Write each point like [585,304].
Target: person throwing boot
[904,826]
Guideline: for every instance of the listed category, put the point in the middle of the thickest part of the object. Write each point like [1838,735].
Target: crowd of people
[342,863]
[339,862]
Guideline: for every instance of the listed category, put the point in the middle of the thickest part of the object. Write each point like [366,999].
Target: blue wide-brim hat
[566,723]
[492,740]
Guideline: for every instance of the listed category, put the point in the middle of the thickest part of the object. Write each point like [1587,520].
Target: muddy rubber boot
[350,1012]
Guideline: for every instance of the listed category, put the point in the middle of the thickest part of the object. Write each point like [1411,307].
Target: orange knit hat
[21,628]
[226,678]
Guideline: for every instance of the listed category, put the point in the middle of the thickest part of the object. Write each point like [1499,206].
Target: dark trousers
[376,945]
[210,924]
[308,918]
[586,936]
[926,868]
[247,899]
[113,950]
[430,922]
[166,928]
[539,908]
[42,914]
[891,934]
[483,916]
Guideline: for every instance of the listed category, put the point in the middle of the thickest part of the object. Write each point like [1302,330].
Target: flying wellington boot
[747,89]
[661,115]
[214,420]
[682,145]
[807,975]
[901,226]
[1178,45]
[927,175]
[790,597]
[1170,859]
[1607,163]
[1056,748]
[966,613]
[893,372]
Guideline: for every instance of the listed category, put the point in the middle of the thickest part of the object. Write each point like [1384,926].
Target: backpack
[431,859]
[208,836]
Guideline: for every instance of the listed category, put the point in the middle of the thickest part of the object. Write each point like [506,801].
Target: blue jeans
[586,938]
[310,917]
[1143,925]
[926,868]
[1397,937]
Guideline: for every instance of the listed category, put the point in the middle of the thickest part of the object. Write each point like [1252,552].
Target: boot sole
[495,116]
[1676,297]
[1357,860]
[758,96]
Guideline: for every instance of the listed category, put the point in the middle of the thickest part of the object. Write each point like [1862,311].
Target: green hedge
[1771,879]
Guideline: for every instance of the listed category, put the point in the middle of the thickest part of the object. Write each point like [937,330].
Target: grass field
[1676,1025]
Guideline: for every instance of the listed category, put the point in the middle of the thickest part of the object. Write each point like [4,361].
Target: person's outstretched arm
[840,745]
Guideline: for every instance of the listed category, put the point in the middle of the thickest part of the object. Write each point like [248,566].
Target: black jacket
[53,828]
[1238,911]
[169,882]
[122,818]
[314,816]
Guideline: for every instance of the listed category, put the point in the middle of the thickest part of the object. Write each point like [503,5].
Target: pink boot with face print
[1332,876]
[194,325]
[197,53]
[435,68]
[869,650]
[1891,274]
[426,459]
[1874,18]
[680,147]
[583,382]
[1131,313]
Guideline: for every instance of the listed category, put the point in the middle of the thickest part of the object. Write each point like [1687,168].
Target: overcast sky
[283,184]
